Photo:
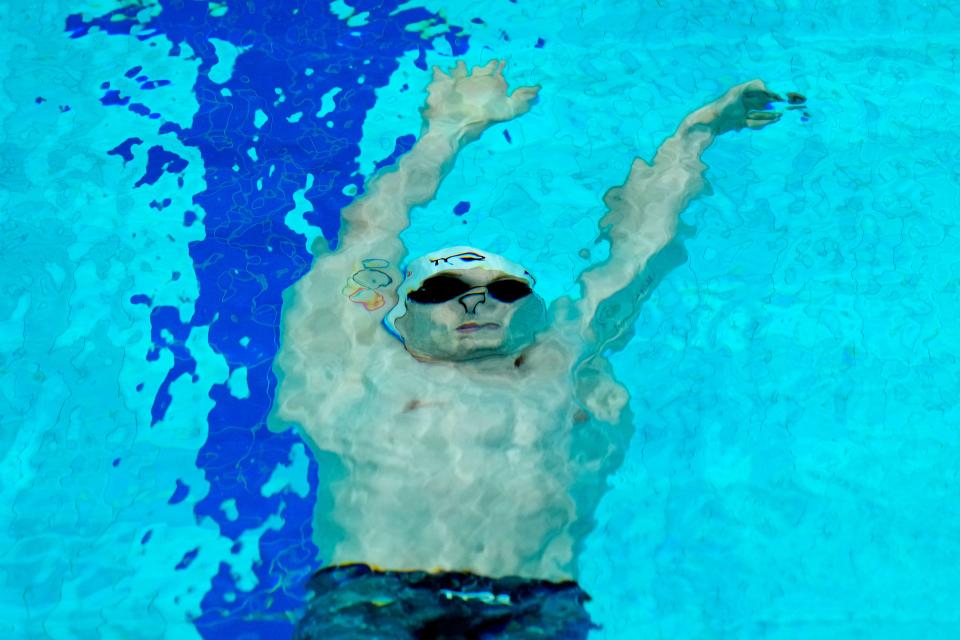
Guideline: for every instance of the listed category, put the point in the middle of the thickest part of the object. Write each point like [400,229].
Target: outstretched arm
[327,316]
[460,106]
[644,211]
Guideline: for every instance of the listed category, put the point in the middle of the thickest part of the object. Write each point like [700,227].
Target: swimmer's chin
[476,354]
[474,357]
[466,350]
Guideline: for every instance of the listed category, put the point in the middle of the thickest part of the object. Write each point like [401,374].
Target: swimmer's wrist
[453,130]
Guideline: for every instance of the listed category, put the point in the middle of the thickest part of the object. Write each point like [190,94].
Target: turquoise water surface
[166,168]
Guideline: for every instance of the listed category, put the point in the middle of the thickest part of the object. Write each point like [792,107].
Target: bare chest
[397,404]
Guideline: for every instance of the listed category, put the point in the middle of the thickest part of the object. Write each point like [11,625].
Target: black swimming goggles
[443,288]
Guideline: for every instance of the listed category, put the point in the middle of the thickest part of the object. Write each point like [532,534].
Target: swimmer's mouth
[470,327]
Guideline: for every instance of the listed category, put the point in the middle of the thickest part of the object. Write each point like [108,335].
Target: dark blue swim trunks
[355,601]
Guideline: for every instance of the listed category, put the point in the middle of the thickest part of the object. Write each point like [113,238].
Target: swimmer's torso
[441,465]
[451,467]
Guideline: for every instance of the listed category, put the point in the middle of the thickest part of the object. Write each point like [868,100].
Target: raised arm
[331,316]
[460,106]
[644,211]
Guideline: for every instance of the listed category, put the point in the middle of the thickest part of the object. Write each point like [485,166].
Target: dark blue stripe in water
[249,256]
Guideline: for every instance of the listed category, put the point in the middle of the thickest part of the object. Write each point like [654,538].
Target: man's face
[484,318]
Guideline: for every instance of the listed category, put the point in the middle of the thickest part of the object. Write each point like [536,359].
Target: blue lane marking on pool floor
[292,55]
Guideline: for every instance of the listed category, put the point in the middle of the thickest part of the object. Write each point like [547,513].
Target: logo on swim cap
[419,269]
[468,256]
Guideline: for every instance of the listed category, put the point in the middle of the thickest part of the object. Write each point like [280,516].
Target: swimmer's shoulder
[555,349]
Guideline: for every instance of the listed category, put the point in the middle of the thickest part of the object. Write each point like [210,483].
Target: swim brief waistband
[357,601]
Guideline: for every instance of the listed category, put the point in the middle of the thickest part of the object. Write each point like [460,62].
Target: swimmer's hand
[469,102]
[749,105]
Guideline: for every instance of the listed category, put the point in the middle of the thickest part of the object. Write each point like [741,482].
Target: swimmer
[465,430]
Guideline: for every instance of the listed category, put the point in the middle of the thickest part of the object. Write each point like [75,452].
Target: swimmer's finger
[484,70]
[525,93]
[460,70]
[763,115]
[523,99]
[496,70]
[795,98]
[533,88]
[759,119]
[760,99]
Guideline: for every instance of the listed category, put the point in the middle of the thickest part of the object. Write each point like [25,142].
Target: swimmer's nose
[471,300]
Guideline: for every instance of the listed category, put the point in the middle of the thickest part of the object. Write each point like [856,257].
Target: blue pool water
[166,168]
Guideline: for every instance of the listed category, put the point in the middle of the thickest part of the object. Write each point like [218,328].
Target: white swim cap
[435,262]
